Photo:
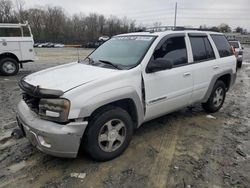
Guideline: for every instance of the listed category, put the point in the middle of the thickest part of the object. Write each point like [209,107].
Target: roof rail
[173,28]
[14,24]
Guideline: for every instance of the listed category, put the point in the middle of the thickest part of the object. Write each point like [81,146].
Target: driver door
[171,89]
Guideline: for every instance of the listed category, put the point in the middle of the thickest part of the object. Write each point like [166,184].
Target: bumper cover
[60,140]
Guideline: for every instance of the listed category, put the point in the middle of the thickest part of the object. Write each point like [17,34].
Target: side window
[10,32]
[26,31]
[174,50]
[198,48]
[202,49]
[222,45]
[209,49]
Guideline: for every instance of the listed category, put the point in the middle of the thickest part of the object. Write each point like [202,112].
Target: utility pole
[175,14]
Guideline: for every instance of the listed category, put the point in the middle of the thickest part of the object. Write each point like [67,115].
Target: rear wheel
[216,98]
[108,134]
[9,66]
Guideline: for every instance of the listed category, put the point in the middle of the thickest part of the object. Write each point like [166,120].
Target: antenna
[175,14]
[78,56]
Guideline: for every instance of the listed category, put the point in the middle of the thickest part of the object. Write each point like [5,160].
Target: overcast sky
[190,12]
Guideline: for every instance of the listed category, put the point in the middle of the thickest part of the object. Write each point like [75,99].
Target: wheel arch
[9,55]
[226,76]
[126,104]
[125,98]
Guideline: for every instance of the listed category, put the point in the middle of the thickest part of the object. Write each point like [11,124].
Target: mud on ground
[183,149]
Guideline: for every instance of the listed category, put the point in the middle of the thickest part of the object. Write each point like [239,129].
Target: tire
[9,66]
[239,64]
[108,134]
[219,93]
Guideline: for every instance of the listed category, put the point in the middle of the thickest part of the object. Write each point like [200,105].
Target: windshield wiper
[110,63]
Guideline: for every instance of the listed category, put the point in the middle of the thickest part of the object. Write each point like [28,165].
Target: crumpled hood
[66,77]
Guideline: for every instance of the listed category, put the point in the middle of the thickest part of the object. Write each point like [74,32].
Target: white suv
[16,47]
[132,78]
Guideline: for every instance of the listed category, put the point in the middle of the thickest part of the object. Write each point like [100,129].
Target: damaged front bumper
[50,137]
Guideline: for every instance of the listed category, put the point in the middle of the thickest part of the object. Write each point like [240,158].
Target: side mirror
[242,48]
[158,65]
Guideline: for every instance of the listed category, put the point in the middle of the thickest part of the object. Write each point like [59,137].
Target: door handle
[216,67]
[187,74]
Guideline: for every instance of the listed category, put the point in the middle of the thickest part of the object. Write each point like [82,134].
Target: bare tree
[224,28]
[52,24]
[6,11]
[19,4]
[239,29]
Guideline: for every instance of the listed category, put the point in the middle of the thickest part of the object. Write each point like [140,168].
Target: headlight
[54,109]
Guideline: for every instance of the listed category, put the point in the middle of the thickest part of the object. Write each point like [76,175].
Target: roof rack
[172,28]
[14,24]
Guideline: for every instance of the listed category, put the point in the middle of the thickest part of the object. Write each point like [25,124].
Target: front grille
[32,102]
[240,53]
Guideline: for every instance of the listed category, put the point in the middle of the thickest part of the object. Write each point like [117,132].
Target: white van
[16,47]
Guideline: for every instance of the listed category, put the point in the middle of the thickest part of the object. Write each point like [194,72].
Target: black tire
[210,105]
[12,63]
[95,128]
[239,64]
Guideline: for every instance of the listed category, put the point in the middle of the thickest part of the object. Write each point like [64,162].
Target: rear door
[203,65]
[168,90]
[26,44]
[227,60]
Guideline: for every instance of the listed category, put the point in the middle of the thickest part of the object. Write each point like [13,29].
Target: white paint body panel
[86,85]
[68,76]
[22,47]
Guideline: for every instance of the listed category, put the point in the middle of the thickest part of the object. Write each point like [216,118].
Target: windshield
[234,44]
[123,51]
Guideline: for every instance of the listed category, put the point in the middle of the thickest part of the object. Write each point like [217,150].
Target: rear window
[222,45]
[235,44]
[10,32]
[201,49]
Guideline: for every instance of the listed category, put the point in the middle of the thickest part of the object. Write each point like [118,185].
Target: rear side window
[10,32]
[222,45]
[201,48]
[174,50]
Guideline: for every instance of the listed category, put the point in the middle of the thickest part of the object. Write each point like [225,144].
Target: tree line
[51,23]
[225,28]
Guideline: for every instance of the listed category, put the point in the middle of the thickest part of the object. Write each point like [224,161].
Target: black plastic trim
[197,34]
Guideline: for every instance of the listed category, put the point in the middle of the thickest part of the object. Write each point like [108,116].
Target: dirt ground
[185,149]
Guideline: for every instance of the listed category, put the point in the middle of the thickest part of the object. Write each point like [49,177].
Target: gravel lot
[183,149]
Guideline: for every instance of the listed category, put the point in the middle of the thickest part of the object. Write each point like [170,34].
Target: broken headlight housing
[54,109]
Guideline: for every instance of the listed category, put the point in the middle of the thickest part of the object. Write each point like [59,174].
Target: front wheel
[9,66]
[108,134]
[216,98]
